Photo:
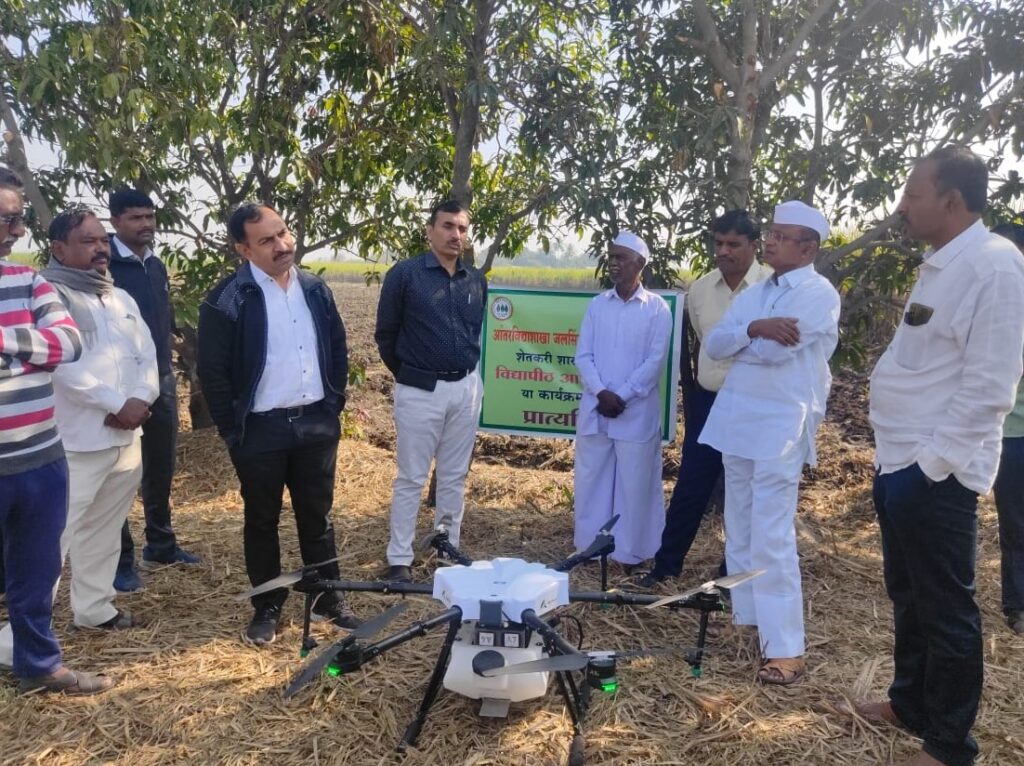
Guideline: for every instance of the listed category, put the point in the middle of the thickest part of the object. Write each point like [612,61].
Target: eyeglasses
[777,236]
[12,221]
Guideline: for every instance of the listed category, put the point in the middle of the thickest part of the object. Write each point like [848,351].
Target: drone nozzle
[601,674]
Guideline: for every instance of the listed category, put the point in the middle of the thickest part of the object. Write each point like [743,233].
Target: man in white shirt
[273,362]
[779,335]
[939,395]
[100,402]
[623,344]
[736,238]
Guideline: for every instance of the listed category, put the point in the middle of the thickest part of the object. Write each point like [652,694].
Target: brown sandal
[781,672]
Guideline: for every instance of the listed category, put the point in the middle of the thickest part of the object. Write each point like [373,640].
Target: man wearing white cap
[779,335]
[623,345]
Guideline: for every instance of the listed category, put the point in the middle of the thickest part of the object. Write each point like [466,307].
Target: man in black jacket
[137,270]
[273,364]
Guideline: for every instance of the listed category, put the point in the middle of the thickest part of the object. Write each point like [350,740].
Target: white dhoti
[438,425]
[613,476]
[760,506]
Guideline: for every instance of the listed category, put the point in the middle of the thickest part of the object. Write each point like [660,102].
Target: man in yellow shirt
[736,238]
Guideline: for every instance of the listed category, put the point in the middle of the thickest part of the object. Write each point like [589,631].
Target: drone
[502,643]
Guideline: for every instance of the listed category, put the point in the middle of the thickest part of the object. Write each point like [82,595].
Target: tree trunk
[19,163]
[188,349]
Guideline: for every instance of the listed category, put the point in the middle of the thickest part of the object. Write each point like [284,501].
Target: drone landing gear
[412,732]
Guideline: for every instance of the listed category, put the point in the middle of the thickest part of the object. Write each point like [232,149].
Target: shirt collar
[946,254]
[640,294]
[126,252]
[264,279]
[795,277]
[431,262]
[752,276]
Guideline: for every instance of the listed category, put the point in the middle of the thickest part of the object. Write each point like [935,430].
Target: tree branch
[776,67]
[716,50]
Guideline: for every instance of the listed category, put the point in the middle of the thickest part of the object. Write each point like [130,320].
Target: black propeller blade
[319,663]
[730,581]
[599,542]
[283,581]
[567,662]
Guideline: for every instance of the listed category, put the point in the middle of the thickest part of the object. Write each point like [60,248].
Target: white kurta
[764,422]
[622,347]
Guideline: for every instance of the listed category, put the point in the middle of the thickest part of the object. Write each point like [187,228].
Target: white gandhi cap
[797,213]
[631,241]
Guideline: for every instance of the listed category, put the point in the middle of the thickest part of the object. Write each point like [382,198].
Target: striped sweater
[36,334]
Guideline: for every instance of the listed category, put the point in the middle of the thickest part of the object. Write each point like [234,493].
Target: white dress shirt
[622,347]
[706,303]
[940,391]
[121,364]
[774,396]
[123,249]
[291,371]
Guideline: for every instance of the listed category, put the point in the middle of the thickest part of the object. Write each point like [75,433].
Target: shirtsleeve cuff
[111,400]
[741,339]
[625,392]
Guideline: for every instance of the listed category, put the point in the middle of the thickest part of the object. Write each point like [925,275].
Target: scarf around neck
[70,284]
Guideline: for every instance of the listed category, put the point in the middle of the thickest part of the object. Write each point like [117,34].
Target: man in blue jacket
[273,364]
[137,270]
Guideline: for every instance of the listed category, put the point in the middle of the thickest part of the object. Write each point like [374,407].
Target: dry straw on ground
[190,692]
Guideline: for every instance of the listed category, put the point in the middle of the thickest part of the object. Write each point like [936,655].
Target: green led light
[610,687]
[333,671]
[304,653]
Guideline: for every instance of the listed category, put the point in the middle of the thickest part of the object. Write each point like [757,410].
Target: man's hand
[134,413]
[111,421]
[610,404]
[779,329]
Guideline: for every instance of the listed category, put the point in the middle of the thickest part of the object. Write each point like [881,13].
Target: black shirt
[429,319]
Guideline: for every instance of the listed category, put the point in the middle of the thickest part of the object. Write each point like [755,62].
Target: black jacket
[233,347]
[146,281]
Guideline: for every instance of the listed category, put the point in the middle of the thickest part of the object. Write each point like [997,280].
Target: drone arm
[417,629]
[530,619]
[327,586]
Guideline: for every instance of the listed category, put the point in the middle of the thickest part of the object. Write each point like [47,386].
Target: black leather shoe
[399,573]
[648,579]
[338,614]
[1015,619]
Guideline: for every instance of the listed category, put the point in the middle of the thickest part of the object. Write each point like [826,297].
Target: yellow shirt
[706,303]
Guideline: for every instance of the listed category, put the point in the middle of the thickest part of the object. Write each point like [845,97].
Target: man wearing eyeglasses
[36,335]
[779,335]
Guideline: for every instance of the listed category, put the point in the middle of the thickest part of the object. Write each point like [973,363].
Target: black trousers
[299,453]
[1009,491]
[929,534]
[159,442]
[699,469]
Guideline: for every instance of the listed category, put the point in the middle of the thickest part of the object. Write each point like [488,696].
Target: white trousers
[101,488]
[760,506]
[614,476]
[432,425]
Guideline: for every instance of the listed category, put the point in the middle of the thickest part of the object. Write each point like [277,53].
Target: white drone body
[492,596]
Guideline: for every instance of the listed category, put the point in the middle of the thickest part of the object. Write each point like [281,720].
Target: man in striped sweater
[36,335]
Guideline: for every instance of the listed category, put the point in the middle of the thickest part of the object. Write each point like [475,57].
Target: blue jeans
[33,510]
[929,535]
[1009,491]
[699,470]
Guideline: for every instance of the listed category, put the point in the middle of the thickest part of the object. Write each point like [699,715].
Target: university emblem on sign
[501,309]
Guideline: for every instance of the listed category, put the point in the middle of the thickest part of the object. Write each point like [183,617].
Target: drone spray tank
[492,595]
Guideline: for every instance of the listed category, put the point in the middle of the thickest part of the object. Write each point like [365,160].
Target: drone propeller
[568,662]
[319,663]
[730,581]
[599,541]
[284,581]
[428,539]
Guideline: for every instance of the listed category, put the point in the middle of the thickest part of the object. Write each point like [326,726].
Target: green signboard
[528,362]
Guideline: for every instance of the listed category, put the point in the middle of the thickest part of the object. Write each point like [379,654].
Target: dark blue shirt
[428,319]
